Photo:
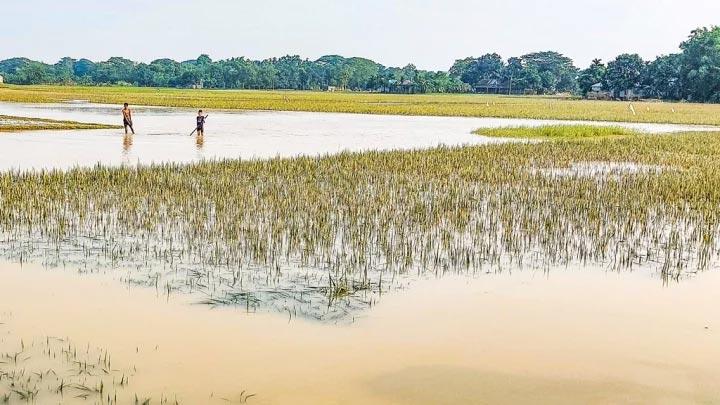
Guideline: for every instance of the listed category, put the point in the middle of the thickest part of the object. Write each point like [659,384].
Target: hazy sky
[429,33]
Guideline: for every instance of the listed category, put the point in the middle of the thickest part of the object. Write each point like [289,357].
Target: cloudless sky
[429,33]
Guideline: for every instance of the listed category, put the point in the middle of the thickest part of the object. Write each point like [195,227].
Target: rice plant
[54,370]
[324,236]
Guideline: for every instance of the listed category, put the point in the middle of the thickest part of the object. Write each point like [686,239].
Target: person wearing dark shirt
[201,123]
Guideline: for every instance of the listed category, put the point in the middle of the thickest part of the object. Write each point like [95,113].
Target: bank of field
[17,124]
[461,105]
[235,230]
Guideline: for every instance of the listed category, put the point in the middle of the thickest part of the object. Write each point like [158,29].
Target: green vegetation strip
[461,105]
[556,132]
[16,124]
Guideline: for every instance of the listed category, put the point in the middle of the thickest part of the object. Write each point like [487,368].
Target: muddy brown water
[569,336]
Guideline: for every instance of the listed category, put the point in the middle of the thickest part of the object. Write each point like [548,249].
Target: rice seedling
[461,105]
[49,369]
[323,237]
[16,124]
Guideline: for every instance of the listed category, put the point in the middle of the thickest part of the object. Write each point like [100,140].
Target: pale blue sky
[429,33]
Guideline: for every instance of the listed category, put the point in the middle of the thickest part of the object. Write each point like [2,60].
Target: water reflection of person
[200,141]
[127,143]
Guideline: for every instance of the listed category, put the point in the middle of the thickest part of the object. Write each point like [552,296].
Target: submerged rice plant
[324,236]
[57,370]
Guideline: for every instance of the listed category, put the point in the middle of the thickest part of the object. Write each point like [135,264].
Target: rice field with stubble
[450,105]
[324,237]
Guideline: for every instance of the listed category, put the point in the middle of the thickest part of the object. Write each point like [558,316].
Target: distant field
[461,105]
[15,124]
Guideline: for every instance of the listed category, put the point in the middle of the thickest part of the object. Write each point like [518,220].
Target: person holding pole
[200,123]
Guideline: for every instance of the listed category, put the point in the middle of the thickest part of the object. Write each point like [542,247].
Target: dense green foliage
[541,72]
[692,74]
[288,72]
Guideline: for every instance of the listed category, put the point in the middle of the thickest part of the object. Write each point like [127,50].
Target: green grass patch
[562,132]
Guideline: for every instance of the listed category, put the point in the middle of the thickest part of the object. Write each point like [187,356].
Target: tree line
[692,74]
[287,72]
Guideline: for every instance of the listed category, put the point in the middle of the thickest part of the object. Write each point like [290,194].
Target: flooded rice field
[163,135]
[564,337]
[513,273]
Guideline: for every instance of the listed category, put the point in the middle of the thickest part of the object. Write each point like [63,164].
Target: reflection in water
[127,149]
[127,144]
[199,144]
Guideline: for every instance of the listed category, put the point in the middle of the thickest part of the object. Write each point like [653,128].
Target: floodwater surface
[565,335]
[163,135]
[569,336]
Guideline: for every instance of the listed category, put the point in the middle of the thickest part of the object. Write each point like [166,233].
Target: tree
[10,66]
[663,77]
[693,74]
[625,72]
[113,71]
[556,71]
[83,69]
[593,75]
[362,72]
[266,74]
[700,72]
[33,73]
[64,70]
[473,70]
[461,68]
[513,73]
[409,72]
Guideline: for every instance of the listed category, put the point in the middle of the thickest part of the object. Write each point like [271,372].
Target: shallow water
[162,135]
[568,336]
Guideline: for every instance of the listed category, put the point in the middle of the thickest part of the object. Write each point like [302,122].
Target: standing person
[200,128]
[127,119]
